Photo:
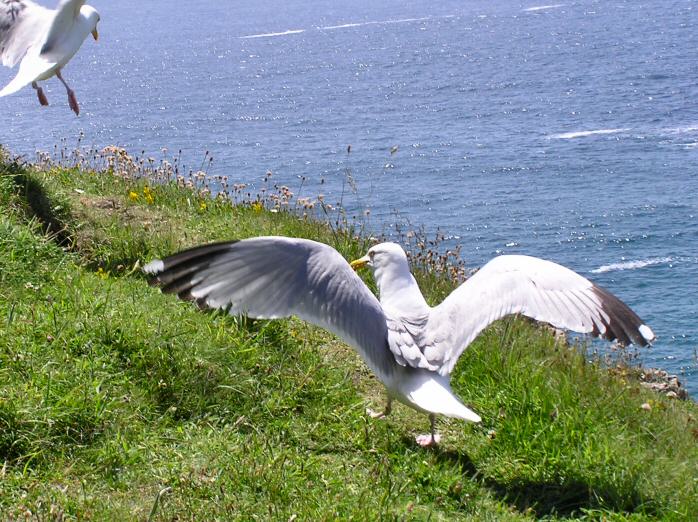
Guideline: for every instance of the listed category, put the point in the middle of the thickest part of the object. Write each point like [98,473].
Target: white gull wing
[23,25]
[536,288]
[273,277]
[59,40]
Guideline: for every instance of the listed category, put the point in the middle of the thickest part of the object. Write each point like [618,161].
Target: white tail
[31,69]
[431,393]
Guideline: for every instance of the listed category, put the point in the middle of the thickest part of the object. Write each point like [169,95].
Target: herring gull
[410,346]
[43,41]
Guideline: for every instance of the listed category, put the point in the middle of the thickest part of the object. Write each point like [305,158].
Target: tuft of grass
[118,402]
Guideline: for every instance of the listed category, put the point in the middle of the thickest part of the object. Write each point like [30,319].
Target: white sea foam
[382,22]
[542,7]
[267,35]
[582,134]
[344,26]
[348,25]
[632,265]
[682,130]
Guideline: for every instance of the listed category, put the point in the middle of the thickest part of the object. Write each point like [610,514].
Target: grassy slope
[111,393]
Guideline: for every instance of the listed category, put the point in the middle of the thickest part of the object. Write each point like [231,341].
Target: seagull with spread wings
[43,41]
[410,346]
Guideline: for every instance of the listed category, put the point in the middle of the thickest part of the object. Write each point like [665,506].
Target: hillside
[118,402]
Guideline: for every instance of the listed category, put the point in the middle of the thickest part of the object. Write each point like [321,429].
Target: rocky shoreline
[663,382]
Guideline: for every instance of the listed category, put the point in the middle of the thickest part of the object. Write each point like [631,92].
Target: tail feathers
[432,394]
[466,413]
[30,70]
[13,87]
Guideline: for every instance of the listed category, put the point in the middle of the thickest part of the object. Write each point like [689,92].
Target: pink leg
[40,93]
[72,100]
[432,439]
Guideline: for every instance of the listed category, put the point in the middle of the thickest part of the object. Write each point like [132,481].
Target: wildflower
[101,273]
[202,206]
[257,206]
[133,196]
[148,195]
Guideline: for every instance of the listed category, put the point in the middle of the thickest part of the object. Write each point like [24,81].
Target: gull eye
[371,254]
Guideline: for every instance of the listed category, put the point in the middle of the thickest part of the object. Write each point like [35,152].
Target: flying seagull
[43,41]
[410,346]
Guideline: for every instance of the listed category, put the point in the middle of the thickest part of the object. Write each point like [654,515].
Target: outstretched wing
[23,24]
[273,277]
[65,15]
[536,288]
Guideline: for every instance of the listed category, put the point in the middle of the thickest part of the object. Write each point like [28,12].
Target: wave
[632,265]
[267,35]
[682,130]
[581,134]
[542,8]
[348,25]
[382,22]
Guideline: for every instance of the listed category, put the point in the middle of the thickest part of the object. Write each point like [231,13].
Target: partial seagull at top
[43,41]
[410,346]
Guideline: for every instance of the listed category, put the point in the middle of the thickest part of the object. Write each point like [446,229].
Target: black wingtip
[172,274]
[623,324]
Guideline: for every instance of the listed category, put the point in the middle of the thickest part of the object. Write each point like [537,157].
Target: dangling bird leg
[433,438]
[40,93]
[381,414]
[72,100]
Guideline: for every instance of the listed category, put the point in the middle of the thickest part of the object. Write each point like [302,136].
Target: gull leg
[40,93]
[72,100]
[381,414]
[433,438]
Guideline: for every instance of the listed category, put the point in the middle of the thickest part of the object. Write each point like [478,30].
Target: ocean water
[567,131]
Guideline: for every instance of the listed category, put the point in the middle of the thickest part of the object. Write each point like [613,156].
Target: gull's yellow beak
[359,263]
[95,34]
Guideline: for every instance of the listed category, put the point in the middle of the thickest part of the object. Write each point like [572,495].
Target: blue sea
[562,130]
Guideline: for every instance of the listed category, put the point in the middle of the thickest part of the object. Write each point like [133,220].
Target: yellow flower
[202,206]
[133,196]
[100,271]
[257,206]
[148,194]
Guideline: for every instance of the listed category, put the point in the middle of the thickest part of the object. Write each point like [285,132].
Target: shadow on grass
[567,498]
[37,204]
[55,219]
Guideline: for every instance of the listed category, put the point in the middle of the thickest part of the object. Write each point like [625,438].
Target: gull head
[382,256]
[398,290]
[91,17]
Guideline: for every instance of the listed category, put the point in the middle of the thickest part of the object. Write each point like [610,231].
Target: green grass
[118,402]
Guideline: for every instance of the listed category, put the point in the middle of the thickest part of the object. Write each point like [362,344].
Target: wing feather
[63,20]
[542,290]
[273,277]
[23,24]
